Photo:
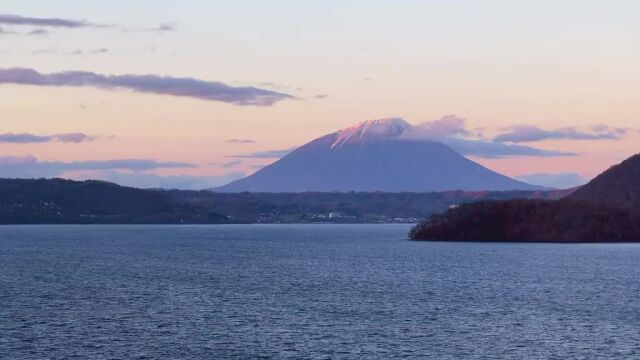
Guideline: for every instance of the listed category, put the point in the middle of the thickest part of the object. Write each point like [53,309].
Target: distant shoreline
[59,201]
[203,224]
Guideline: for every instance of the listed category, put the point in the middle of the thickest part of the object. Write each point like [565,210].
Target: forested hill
[607,209]
[618,186]
[58,201]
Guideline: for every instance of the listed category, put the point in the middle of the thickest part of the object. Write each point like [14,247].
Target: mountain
[607,209]
[374,156]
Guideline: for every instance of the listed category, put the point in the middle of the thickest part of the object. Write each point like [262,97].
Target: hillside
[605,210]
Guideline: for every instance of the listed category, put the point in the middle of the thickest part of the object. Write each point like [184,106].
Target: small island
[607,209]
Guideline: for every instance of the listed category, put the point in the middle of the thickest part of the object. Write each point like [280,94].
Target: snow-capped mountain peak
[374,155]
[379,129]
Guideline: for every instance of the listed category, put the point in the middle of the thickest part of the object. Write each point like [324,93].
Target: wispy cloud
[76,52]
[39,32]
[79,52]
[130,172]
[241,141]
[62,23]
[150,180]
[49,22]
[30,167]
[530,133]
[268,154]
[232,164]
[165,27]
[44,51]
[35,32]
[3,31]
[163,85]
[24,138]
[446,126]
[494,150]
[280,87]
[452,130]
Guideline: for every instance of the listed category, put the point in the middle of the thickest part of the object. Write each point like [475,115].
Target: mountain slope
[372,156]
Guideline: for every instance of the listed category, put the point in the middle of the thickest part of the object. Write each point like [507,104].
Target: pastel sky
[196,93]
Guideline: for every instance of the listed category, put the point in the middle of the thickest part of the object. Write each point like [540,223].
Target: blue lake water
[309,292]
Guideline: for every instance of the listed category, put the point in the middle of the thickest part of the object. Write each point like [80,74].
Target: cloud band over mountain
[153,84]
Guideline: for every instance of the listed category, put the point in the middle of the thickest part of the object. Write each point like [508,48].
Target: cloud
[44,51]
[24,138]
[76,52]
[163,85]
[160,28]
[269,154]
[17,20]
[17,160]
[130,172]
[452,130]
[280,87]
[232,164]
[36,32]
[446,126]
[88,52]
[554,180]
[7,32]
[241,141]
[72,137]
[321,96]
[150,180]
[39,32]
[30,167]
[48,22]
[165,27]
[493,150]
[530,133]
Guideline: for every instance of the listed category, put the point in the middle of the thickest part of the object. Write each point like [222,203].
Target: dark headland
[607,209]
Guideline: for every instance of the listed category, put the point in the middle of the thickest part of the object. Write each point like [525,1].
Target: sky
[196,93]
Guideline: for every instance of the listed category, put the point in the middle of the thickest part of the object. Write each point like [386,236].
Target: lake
[309,292]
